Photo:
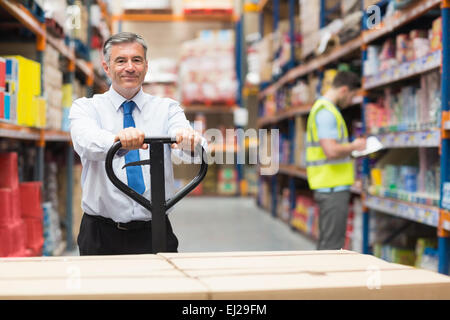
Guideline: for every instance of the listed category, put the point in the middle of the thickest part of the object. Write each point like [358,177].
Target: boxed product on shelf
[300,140]
[424,254]
[285,148]
[227,180]
[264,48]
[435,35]
[207,73]
[281,53]
[251,177]
[351,26]
[328,78]
[210,180]
[309,16]
[264,195]
[28,85]
[349,229]
[305,215]
[309,26]
[399,108]
[300,94]
[284,205]
[357,234]
[395,254]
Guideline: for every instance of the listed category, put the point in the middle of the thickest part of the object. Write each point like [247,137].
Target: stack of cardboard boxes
[53,82]
[227,180]
[266,275]
[310,25]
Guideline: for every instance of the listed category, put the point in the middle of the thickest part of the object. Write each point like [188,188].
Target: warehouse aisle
[231,224]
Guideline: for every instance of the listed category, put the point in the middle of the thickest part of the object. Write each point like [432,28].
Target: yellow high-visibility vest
[322,172]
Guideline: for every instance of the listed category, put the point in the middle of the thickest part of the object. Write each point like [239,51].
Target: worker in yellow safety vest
[330,169]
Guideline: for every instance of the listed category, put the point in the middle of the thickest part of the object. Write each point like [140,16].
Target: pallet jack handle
[158,206]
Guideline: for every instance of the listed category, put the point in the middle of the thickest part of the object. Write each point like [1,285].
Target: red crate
[9,177]
[30,199]
[6,213]
[34,233]
[16,204]
[12,239]
[6,241]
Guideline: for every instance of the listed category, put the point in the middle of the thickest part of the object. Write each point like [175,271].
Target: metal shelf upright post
[443,235]
[365,161]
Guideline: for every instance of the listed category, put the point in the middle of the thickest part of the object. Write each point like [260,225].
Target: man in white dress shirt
[112,222]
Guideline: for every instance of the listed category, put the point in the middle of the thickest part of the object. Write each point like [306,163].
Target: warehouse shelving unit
[198,108]
[42,136]
[408,207]
[292,71]
[411,209]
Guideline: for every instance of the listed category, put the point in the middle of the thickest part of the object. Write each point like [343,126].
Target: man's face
[127,65]
[346,96]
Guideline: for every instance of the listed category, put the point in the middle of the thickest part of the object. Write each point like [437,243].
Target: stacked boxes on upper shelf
[53,82]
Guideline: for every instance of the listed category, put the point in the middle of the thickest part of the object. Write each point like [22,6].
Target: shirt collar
[117,99]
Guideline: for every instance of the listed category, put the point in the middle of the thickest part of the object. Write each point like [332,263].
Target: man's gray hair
[122,37]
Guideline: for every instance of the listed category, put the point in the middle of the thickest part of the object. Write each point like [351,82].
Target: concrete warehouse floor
[230,224]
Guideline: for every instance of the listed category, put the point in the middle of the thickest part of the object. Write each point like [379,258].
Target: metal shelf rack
[434,215]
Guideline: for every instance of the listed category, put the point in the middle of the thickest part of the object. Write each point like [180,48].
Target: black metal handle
[138,197]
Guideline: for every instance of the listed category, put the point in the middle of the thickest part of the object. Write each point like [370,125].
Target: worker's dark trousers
[333,213]
[98,237]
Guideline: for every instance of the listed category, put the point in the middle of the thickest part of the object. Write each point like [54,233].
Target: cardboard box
[219,275]
[309,275]
[94,277]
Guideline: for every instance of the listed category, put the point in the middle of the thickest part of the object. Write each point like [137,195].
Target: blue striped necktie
[134,173]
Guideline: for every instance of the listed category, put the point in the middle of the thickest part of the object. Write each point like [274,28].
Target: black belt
[132,225]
